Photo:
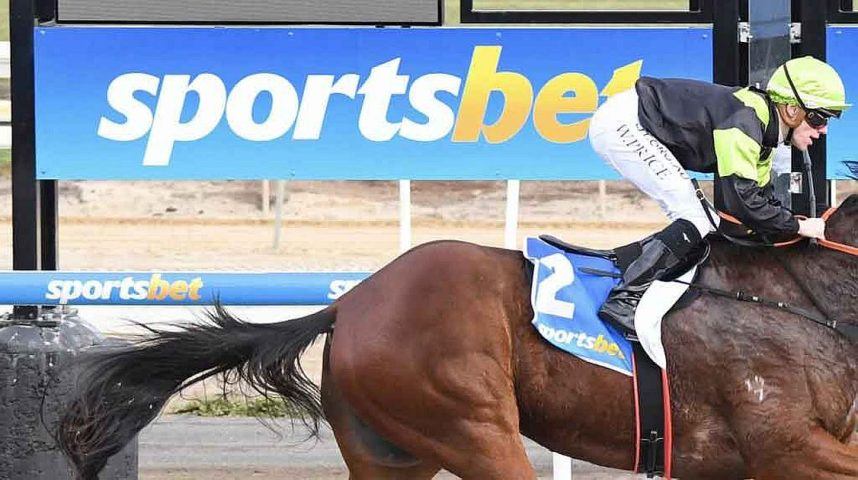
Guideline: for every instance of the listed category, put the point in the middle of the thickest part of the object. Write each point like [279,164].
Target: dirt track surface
[179,447]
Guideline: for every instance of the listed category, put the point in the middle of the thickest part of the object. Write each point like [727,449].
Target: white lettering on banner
[138,116]
[340,287]
[441,117]
[167,127]
[304,113]
[383,83]
[314,104]
[284,107]
[156,288]
[65,290]
[562,275]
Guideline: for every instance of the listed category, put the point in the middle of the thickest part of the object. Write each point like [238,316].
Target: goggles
[815,117]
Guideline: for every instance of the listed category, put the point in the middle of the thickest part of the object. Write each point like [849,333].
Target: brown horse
[432,363]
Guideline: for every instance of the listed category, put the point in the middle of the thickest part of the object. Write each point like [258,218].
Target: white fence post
[266,194]
[278,211]
[510,240]
[404,215]
[562,467]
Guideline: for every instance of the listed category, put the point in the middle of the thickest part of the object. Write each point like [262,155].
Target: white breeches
[618,137]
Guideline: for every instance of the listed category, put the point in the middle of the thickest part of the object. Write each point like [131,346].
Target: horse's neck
[821,281]
[756,272]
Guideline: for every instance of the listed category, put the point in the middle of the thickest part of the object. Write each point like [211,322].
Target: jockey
[654,133]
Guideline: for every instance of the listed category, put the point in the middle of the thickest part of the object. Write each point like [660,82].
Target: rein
[708,208]
[848,330]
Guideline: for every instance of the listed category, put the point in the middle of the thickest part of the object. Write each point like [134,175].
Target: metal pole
[513,188]
[813,16]
[26,239]
[832,192]
[727,58]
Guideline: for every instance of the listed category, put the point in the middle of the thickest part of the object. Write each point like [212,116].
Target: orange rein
[825,243]
[792,241]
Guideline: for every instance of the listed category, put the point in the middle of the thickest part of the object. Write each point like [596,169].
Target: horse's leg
[821,457]
[367,455]
[490,455]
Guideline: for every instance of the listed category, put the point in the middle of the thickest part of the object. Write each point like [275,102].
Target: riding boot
[660,253]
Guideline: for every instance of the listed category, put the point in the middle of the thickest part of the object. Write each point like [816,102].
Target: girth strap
[652,413]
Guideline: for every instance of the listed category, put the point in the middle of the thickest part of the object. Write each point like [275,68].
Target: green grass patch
[4,20]
[225,406]
[681,5]
[5,163]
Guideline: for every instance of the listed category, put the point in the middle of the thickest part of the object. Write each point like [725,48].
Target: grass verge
[5,163]
[225,406]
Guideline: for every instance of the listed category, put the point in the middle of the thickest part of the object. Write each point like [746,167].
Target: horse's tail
[124,389]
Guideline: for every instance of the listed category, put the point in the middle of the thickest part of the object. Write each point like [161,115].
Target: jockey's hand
[812,228]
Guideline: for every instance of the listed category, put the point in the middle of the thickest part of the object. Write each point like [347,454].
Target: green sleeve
[738,154]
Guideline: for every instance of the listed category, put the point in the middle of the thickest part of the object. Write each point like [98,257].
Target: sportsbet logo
[565,93]
[155,288]
[596,344]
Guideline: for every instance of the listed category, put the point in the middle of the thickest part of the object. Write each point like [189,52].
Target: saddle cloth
[567,291]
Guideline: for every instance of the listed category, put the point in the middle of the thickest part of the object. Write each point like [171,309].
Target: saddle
[652,405]
[623,256]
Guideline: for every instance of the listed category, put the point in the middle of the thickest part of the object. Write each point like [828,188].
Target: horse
[432,363]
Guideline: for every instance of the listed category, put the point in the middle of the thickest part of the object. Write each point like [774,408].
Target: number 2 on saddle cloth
[566,300]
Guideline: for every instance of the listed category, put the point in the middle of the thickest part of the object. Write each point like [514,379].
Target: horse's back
[428,300]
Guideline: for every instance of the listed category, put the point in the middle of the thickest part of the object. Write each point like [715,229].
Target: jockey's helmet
[810,84]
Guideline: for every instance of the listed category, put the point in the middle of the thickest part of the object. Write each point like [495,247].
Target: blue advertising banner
[841,148]
[174,288]
[339,103]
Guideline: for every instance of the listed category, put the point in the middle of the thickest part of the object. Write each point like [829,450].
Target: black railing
[842,11]
[699,11]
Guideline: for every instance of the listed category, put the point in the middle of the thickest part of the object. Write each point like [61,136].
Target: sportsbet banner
[841,146]
[338,103]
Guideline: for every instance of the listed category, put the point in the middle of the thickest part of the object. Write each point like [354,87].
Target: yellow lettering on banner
[194,288]
[483,78]
[158,288]
[178,289]
[623,79]
[552,100]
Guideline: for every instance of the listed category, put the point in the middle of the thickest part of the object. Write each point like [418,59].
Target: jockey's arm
[743,181]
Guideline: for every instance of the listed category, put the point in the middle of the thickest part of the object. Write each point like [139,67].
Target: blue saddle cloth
[565,303]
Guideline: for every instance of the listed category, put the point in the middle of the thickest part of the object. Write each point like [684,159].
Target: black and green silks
[711,128]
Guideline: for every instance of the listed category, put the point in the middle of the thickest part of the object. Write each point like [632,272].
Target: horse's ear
[850,205]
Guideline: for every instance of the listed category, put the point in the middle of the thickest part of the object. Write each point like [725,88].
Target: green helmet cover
[817,83]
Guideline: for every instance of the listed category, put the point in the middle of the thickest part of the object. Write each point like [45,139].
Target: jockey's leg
[618,137]
[660,254]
